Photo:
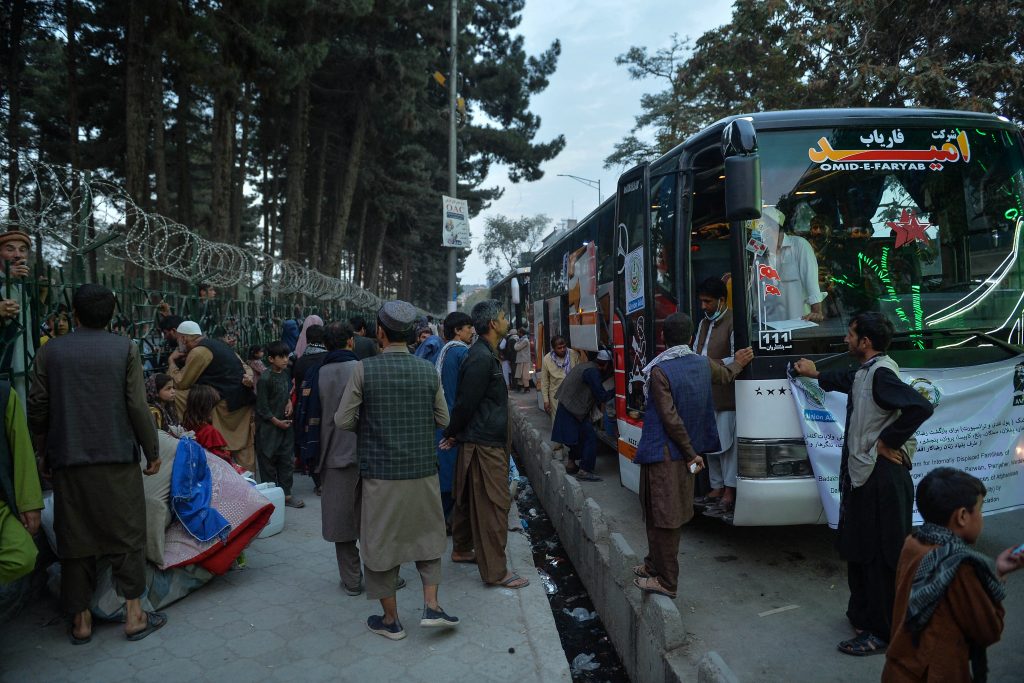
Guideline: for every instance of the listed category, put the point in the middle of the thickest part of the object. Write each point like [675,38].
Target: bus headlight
[761,459]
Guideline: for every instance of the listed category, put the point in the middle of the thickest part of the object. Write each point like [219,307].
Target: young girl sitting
[198,418]
[160,397]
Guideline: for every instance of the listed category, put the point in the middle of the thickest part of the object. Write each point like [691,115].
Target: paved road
[286,619]
[730,575]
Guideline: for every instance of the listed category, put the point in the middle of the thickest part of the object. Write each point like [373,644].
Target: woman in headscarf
[290,333]
[300,345]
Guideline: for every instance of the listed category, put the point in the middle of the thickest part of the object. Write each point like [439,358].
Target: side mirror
[743,188]
[742,171]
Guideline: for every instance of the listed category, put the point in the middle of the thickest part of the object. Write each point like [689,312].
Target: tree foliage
[792,54]
[312,130]
[506,239]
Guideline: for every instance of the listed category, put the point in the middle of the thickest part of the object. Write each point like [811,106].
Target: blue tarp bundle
[191,492]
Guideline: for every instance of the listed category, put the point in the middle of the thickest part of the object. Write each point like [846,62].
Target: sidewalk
[285,618]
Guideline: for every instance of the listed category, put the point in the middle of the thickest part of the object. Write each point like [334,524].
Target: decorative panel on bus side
[634,274]
[582,308]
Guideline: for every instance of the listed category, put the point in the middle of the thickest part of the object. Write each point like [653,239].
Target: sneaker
[391,631]
[437,617]
[583,475]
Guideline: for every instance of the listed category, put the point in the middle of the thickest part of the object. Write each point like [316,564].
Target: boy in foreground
[948,596]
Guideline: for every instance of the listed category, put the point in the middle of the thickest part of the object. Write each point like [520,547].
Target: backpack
[509,353]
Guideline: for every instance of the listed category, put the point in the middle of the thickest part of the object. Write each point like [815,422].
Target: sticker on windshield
[888,159]
[909,229]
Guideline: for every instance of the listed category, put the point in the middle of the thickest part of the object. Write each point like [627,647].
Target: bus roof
[811,118]
[565,235]
[522,270]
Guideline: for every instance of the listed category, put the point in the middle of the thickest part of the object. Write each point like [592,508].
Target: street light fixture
[595,184]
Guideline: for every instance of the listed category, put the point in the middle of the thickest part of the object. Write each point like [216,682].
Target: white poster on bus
[978,427]
[455,223]
[582,270]
[634,284]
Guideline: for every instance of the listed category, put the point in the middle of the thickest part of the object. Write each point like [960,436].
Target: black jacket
[480,413]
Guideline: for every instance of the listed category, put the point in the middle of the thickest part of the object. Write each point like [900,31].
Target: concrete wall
[647,630]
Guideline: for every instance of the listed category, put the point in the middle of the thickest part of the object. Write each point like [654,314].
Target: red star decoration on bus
[909,229]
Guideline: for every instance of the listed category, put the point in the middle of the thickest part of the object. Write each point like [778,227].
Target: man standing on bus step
[480,425]
[679,424]
[715,340]
[876,495]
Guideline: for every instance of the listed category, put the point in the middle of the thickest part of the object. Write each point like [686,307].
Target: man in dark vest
[215,364]
[394,402]
[581,390]
[679,425]
[87,406]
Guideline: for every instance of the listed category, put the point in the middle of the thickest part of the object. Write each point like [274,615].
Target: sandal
[641,571]
[154,622]
[294,502]
[75,640]
[863,645]
[511,582]
[468,558]
[652,585]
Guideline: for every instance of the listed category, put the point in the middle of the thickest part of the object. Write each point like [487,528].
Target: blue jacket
[690,380]
[192,491]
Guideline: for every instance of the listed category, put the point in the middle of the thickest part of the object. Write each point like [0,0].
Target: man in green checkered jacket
[394,402]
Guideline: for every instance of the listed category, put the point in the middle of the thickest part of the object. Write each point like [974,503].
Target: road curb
[648,631]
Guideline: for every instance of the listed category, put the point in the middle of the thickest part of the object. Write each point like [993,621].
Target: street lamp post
[595,184]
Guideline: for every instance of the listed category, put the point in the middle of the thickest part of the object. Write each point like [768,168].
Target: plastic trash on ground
[584,662]
[580,614]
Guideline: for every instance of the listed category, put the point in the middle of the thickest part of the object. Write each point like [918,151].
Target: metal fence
[241,322]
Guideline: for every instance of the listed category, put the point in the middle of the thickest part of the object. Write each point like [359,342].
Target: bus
[912,212]
[513,291]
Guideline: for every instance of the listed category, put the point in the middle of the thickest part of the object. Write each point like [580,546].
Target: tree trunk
[222,145]
[135,119]
[238,182]
[373,269]
[298,142]
[13,76]
[186,208]
[71,26]
[316,202]
[265,204]
[357,274]
[346,190]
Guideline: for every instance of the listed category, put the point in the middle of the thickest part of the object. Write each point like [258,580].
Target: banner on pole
[977,427]
[455,221]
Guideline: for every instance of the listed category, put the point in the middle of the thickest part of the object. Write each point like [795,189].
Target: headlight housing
[763,458]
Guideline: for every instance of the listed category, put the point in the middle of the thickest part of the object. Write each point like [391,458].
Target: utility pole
[453,254]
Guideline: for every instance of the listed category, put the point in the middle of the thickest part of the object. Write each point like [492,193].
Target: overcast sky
[590,100]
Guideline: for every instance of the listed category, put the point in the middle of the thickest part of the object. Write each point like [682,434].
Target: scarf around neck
[936,572]
[444,352]
[667,354]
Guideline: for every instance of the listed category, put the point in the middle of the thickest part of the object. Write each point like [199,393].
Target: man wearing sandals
[87,409]
[876,494]
[394,401]
[479,425]
[679,423]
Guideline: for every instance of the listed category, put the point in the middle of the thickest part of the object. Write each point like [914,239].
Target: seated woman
[160,397]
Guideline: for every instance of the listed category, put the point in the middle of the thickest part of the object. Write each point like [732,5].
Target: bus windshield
[921,224]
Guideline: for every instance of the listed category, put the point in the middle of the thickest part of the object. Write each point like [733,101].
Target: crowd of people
[404,427]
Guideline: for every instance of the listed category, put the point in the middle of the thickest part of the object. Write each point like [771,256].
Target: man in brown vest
[714,340]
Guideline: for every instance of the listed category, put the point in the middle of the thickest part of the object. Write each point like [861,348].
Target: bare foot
[82,625]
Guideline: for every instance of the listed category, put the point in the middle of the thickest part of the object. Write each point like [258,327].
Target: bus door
[633,296]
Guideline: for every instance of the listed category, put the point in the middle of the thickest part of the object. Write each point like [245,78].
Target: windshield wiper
[980,333]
